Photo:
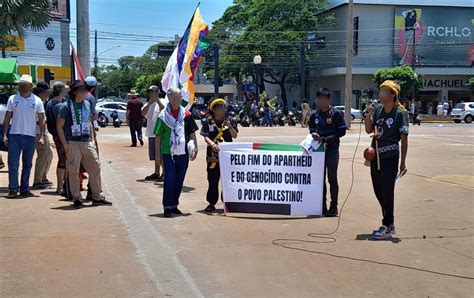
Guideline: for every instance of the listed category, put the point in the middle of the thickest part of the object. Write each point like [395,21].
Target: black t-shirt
[390,126]
[211,129]
[329,123]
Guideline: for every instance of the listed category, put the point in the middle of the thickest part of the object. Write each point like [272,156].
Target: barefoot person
[217,128]
[389,122]
[174,131]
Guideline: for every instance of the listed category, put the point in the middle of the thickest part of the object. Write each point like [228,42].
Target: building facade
[441,33]
[46,49]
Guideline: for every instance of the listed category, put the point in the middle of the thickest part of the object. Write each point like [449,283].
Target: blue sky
[118,21]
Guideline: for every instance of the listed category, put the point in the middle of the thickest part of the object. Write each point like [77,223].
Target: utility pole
[96,59]
[413,59]
[216,70]
[348,85]
[303,72]
[83,40]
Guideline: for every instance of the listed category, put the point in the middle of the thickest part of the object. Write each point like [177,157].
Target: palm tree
[19,15]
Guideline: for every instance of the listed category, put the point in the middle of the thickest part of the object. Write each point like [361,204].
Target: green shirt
[162,130]
[390,125]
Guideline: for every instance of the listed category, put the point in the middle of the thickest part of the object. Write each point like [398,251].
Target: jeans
[267,119]
[331,162]
[25,146]
[136,131]
[175,171]
[383,182]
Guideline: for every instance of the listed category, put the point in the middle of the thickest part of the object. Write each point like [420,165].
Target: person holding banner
[217,128]
[327,127]
[176,141]
[389,123]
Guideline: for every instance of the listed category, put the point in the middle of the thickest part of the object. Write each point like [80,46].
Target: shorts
[62,158]
[151,148]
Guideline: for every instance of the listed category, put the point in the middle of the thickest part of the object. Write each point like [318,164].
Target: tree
[132,72]
[408,80]
[275,30]
[471,85]
[19,15]
[145,81]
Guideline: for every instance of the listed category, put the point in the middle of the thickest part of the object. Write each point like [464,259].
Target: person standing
[134,117]
[327,126]
[253,112]
[305,110]
[44,153]
[389,123]
[151,111]
[24,109]
[216,129]
[267,116]
[52,112]
[91,84]
[3,111]
[75,129]
[176,141]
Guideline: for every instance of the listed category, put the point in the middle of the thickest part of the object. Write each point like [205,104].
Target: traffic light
[221,82]
[370,93]
[48,75]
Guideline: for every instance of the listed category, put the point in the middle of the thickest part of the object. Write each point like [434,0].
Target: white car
[463,111]
[106,108]
[355,114]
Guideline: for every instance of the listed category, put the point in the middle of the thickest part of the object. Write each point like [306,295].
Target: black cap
[40,87]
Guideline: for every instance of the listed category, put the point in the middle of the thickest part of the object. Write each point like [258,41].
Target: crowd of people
[67,113]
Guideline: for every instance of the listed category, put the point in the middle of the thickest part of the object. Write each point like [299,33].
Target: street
[49,248]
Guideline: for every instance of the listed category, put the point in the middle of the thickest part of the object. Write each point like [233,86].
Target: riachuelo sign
[272,178]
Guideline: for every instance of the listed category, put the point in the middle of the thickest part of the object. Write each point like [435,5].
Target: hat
[217,101]
[26,79]
[392,85]
[76,85]
[154,88]
[133,92]
[90,81]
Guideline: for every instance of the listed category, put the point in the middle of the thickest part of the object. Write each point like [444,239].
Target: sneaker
[160,179]
[176,211]
[332,212]
[383,233]
[210,208]
[141,142]
[11,195]
[39,185]
[47,182]
[168,213]
[152,177]
[77,203]
[133,145]
[27,194]
[392,229]
[101,202]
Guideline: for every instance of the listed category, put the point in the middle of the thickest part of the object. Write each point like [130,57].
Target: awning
[8,71]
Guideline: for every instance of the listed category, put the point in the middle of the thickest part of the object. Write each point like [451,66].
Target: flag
[179,72]
[76,69]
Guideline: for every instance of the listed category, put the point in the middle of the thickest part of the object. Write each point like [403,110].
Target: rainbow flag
[185,59]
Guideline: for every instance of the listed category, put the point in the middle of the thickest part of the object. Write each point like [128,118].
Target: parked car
[105,109]
[355,114]
[463,111]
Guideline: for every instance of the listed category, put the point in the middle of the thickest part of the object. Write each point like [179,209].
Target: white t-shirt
[3,111]
[25,111]
[151,118]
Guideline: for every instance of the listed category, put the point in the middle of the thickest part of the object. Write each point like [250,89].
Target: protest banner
[272,178]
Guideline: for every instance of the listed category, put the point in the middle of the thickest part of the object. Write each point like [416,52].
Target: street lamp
[108,50]
[96,58]
[257,60]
